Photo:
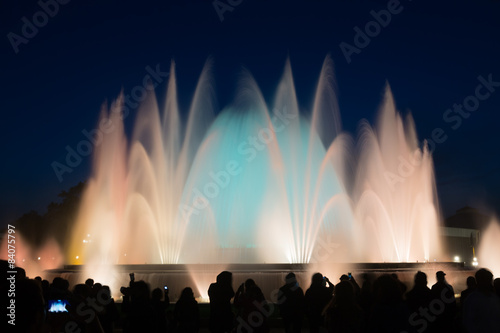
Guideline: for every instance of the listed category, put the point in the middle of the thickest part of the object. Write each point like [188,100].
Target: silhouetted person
[95,289]
[89,282]
[418,299]
[186,312]
[342,313]
[420,295]
[389,312]
[159,307]
[80,313]
[481,311]
[471,286]
[45,289]
[29,307]
[21,273]
[401,284]
[137,308]
[109,315]
[365,298]
[291,304]
[350,278]
[317,297]
[444,293]
[59,289]
[253,310]
[220,293]
[496,285]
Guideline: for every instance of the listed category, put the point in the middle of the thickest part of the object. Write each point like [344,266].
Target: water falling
[396,204]
[258,183]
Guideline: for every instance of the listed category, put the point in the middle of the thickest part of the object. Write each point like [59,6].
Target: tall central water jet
[257,184]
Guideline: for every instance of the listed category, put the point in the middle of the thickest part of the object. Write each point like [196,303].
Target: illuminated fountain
[394,193]
[489,246]
[256,184]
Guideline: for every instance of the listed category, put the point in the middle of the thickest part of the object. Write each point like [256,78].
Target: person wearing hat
[444,294]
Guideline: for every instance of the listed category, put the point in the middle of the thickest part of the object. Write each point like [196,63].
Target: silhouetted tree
[31,226]
[57,222]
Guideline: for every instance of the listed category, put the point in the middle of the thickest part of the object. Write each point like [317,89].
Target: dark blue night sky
[431,53]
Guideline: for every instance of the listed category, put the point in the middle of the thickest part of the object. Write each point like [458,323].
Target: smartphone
[165,287]
[349,275]
[58,305]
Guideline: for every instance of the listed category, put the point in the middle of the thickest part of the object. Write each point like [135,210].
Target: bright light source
[456,259]
[39,258]
[475,263]
[77,257]
[475,259]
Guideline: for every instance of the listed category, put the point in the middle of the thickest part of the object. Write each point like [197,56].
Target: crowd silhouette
[380,303]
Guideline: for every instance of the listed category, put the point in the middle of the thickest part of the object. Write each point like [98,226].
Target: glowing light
[456,259]
[203,299]
[489,247]
[39,258]
[293,175]
[58,306]
[77,257]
